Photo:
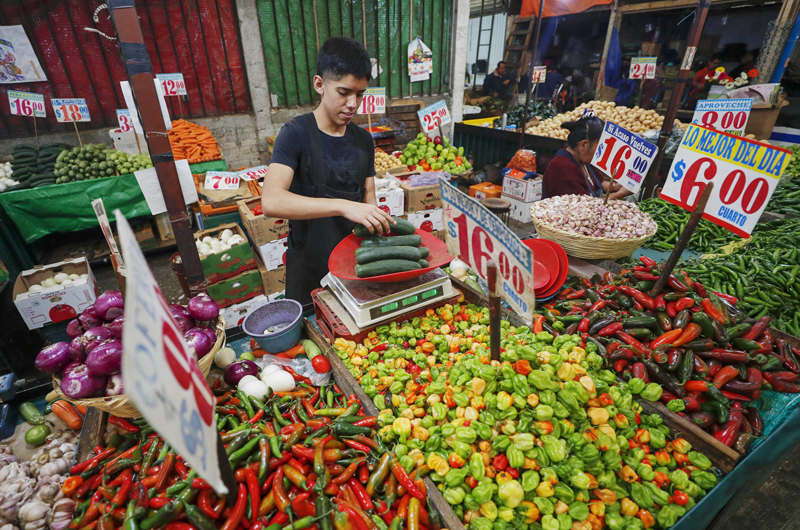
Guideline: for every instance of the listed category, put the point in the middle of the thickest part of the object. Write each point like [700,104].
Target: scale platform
[369,303]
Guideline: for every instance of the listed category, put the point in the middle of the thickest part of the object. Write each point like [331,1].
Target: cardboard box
[58,303]
[421,198]
[763,117]
[164,227]
[274,280]
[441,234]
[393,171]
[484,190]
[234,315]
[520,211]
[391,201]
[228,263]
[427,220]
[237,289]
[261,229]
[522,190]
[277,296]
[273,254]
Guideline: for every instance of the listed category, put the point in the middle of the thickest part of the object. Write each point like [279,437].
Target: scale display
[400,306]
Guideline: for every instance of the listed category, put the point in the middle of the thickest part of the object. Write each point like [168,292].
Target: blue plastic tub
[285,314]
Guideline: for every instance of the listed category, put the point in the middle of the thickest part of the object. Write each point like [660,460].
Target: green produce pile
[786,198]
[536,107]
[492,104]
[33,168]
[95,161]
[672,219]
[434,155]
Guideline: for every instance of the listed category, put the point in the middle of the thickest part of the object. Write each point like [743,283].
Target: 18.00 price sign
[744,172]
[374,101]
[71,109]
[624,156]
[475,235]
[26,104]
[221,180]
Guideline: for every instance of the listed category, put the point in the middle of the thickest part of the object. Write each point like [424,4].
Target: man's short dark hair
[340,56]
[717,57]
[500,63]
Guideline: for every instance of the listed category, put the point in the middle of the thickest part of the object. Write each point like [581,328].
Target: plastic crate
[397,128]
[227,206]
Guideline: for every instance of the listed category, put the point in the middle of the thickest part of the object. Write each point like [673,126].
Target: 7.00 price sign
[624,156]
[221,180]
[745,173]
[26,104]
[374,101]
[172,84]
[71,109]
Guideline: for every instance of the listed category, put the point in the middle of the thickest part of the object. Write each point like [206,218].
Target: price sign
[26,104]
[539,74]
[160,373]
[744,172]
[253,173]
[476,235]
[71,109]
[373,102]
[726,115]
[124,119]
[221,180]
[172,84]
[624,156]
[643,68]
[434,116]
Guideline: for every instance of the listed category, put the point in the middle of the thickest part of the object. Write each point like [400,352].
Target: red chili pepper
[755,331]
[676,284]
[597,306]
[680,498]
[205,504]
[649,262]
[583,326]
[363,474]
[786,377]
[688,281]
[303,505]
[638,296]
[232,523]
[159,502]
[125,488]
[646,276]
[700,288]
[361,494]
[665,338]
[684,303]
[700,366]
[714,366]
[576,294]
[733,396]
[639,370]
[692,403]
[380,347]
[181,469]
[78,468]
[726,374]
[620,364]
[728,298]
[660,302]
[696,386]
[671,309]
[780,386]
[123,424]
[691,332]
[713,312]
[538,323]
[610,329]
[281,498]
[633,343]
[728,433]
[254,490]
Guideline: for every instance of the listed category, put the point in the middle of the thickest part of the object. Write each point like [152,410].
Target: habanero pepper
[665,338]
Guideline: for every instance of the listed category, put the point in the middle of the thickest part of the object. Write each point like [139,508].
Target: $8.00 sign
[72,109]
[221,180]
[160,372]
[475,235]
[643,68]
[26,104]
[172,84]
[252,173]
[434,116]
[373,102]
[726,115]
[744,173]
[624,156]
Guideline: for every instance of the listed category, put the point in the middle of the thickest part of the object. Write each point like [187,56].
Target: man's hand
[507,81]
[372,217]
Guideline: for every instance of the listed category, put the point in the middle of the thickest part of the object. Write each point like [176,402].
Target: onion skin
[53,358]
[82,346]
[106,358]
[88,318]
[199,340]
[203,308]
[208,331]
[116,326]
[235,371]
[74,329]
[78,383]
[115,385]
[109,305]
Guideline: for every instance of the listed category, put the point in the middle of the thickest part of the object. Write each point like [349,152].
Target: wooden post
[494,310]
[651,178]
[75,123]
[531,86]
[35,131]
[180,106]
[683,240]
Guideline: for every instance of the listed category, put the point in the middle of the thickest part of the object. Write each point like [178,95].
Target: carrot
[294,351]
[81,409]
[67,412]
[258,352]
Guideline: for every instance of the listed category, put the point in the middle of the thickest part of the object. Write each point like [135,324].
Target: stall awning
[556,8]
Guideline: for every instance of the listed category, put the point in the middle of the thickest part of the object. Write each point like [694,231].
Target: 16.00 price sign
[744,172]
[26,104]
[71,109]
[624,156]
[374,101]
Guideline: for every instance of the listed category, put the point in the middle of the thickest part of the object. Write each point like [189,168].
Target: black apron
[312,241]
[589,172]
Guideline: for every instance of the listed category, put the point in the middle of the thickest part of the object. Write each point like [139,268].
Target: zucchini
[24,146]
[403,228]
[311,348]
[31,413]
[424,252]
[424,263]
[397,241]
[20,186]
[368,255]
[387,266]
[43,183]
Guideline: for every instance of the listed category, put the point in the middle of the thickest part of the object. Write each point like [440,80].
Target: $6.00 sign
[745,174]
[160,373]
[475,235]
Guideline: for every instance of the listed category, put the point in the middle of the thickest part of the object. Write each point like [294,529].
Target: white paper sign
[124,119]
[102,219]
[160,372]
[373,102]
[18,58]
[70,109]
[475,235]
[643,68]
[624,156]
[131,104]
[726,115]
[148,182]
[172,84]
[26,104]
[221,180]
[253,173]
[539,74]
[420,61]
[744,172]
[434,116]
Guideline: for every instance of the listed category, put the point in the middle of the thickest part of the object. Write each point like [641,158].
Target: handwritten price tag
[726,115]
[643,68]
[434,116]
[124,119]
[476,235]
[624,156]
[172,84]
[26,104]
[373,102]
[539,74]
[253,173]
[72,109]
[221,180]
[744,172]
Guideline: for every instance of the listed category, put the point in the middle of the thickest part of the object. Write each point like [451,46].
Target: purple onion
[115,385]
[53,358]
[199,340]
[235,371]
[109,305]
[203,308]
[177,310]
[106,358]
[184,324]
[116,326]
[207,330]
[78,383]
[74,329]
[88,318]
[82,346]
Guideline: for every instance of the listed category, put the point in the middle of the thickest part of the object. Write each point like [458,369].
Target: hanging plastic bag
[523,160]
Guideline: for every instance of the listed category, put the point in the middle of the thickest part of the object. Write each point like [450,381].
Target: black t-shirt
[341,155]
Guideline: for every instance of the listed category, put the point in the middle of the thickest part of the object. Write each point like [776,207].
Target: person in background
[552,81]
[569,173]
[699,80]
[498,83]
[746,63]
[580,88]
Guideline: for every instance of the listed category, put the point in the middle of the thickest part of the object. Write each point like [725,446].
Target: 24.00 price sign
[624,156]
[71,109]
[744,172]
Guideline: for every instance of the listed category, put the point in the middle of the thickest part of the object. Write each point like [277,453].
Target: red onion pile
[90,363]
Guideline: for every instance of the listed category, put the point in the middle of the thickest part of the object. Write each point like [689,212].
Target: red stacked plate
[550,267]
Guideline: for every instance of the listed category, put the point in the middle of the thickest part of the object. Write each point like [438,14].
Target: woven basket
[122,406]
[589,247]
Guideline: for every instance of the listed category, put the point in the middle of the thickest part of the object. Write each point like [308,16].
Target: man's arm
[278,201]
[369,192]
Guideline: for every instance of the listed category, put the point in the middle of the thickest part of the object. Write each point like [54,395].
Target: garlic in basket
[585,215]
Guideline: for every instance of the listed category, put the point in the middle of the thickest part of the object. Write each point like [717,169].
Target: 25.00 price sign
[624,156]
[434,116]
[744,172]
[71,109]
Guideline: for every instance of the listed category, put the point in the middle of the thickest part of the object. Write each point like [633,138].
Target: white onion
[35,288]
[49,282]
[279,381]
[74,277]
[60,277]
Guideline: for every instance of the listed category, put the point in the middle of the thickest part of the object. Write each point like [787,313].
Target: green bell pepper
[455,477]
[635,385]
[564,493]
[699,460]
[466,434]
[579,479]
[480,523]
[578,511]
[550,523]
[577,390]
[511,493]
[679,478]
[555,448]
[483,493]
[652,392]
[545,505]
[530,479]
[659,496]
[460,448]
[454,495]
[669,514]
[615,521]
[515,457]
[704,479]
[641,496]
[524,441]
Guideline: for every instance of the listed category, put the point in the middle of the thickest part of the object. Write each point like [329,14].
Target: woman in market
[570,172]
[321,175]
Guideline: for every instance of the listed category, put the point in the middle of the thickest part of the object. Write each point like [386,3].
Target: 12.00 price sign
[624,156]
[744,172]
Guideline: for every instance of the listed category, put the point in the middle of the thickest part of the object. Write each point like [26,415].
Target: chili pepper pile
[689,339]
[307,459]
[671,221]
[545,438]
[786,197]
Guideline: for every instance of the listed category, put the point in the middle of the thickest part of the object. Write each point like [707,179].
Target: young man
[321,176]
[498,83]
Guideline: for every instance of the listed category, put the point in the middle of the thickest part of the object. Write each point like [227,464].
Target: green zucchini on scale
[398,241]
[387,266]
[403,228]
[368,255]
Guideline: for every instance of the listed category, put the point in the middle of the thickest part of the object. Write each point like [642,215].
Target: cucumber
[424,252]
[43,183]
[474,284]
[312,350]
[403,228]
[424,263]
[31,413]
[368,255]
[20,186]
[387,266]
[397,241]
[24,146]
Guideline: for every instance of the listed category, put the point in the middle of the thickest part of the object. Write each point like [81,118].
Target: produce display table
[61,208]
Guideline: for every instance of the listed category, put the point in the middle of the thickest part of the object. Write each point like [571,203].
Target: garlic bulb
[61,515]
[585,215]
[33,516]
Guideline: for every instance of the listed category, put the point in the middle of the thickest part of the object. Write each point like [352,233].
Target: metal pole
[677,94]
[140,75]
[530,73]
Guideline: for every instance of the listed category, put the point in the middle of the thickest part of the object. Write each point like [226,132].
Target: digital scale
[369,303]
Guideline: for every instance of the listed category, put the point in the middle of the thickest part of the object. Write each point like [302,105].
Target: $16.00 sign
[26,104]
[744,173]
[160,372]
[624,156]
[475,235]
[374,101]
